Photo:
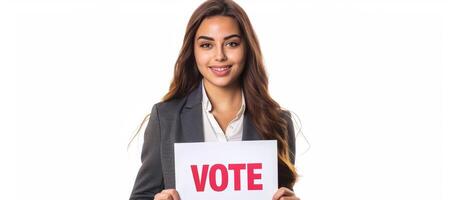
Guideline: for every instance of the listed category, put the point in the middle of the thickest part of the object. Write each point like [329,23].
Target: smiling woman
[220,90]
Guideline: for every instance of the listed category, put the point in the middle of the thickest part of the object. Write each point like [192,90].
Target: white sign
[226,170]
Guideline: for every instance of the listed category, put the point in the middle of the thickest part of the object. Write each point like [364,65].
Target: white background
[370,80]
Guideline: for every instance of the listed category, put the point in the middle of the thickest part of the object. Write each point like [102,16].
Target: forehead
[218,27]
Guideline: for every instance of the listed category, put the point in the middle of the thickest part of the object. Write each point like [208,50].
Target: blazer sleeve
[149,180]
[284,180]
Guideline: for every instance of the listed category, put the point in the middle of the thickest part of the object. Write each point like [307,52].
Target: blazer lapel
[192,121]
[249,131]
[191,118]
[190,129]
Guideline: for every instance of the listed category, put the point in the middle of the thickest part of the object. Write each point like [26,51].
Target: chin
[220,82]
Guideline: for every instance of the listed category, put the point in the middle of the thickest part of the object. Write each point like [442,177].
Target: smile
[221,70]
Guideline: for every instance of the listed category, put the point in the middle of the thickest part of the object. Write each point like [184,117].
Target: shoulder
[168,109]
[287,116]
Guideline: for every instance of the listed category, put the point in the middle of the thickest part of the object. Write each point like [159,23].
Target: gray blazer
[177,121]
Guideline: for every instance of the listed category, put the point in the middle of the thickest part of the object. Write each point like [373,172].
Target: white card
[226,170]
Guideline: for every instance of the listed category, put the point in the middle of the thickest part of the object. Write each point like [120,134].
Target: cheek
[202,58]
[238,57]
[202,61]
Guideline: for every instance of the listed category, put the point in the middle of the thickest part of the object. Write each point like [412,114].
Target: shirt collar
[207,106]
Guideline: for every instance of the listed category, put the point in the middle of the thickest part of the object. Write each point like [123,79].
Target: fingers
[289,198]
[169,194]
[284,193]
[173,192]
[162,196]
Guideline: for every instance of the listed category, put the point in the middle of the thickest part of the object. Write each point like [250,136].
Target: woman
[219,92]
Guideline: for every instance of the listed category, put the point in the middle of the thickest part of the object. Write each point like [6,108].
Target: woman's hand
[169,194]
[284,193]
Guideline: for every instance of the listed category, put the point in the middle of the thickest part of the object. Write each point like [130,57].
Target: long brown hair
[264,111]
[266,114]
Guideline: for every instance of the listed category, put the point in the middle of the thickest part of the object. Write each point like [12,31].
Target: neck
[224,99]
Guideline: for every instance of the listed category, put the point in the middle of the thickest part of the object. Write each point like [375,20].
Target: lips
[220,70]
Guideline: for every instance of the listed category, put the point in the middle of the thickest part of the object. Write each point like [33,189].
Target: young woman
[219,92]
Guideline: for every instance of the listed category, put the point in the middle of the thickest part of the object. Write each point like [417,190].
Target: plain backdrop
[370,81]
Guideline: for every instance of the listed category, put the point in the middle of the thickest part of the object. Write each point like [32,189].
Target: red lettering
[252,176]
[200,182]
[236,168]
[224,177]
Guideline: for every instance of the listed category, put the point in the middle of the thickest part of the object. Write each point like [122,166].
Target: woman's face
[219,51]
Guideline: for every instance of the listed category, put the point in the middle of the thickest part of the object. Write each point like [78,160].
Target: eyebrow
[225,38]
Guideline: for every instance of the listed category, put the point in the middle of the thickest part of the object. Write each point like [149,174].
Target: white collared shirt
[212,130]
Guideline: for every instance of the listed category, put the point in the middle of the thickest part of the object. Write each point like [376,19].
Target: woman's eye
[206,45]
[232,44]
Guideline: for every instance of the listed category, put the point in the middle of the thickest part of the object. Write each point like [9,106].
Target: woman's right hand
[168,194]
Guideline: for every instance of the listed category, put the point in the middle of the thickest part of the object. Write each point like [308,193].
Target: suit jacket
[177,121]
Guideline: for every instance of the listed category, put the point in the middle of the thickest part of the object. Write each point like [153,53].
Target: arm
[149,180]
[285,192]
[283,172]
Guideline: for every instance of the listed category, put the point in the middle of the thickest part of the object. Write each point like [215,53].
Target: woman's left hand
[284,193]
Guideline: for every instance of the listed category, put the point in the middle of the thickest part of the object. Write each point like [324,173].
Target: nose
[220,54]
